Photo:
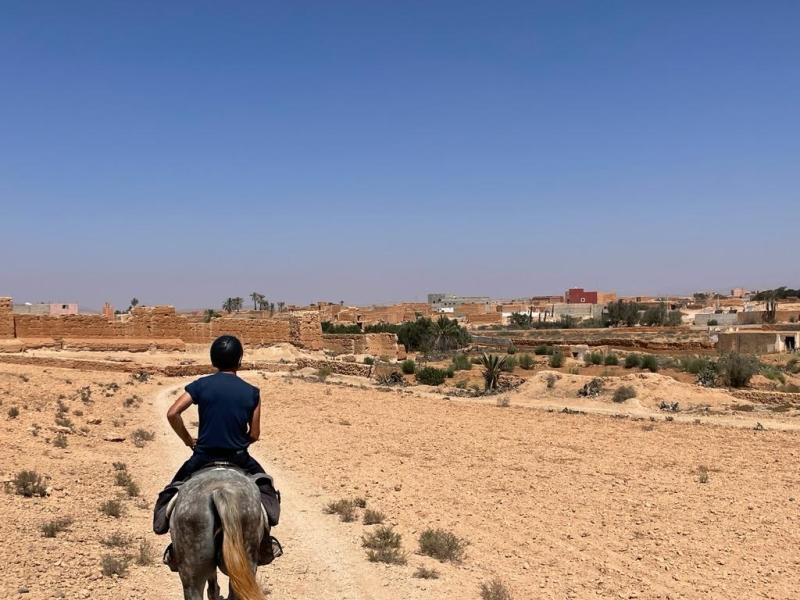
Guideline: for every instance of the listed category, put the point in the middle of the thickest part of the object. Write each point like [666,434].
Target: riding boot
[160,520]
[271,499]
[269,549]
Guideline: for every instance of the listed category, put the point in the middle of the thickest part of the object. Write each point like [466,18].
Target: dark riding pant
[270,497]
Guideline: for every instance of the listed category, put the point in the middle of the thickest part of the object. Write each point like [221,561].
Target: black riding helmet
[226,353]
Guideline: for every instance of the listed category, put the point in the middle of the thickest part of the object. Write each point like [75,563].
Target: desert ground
[601,501]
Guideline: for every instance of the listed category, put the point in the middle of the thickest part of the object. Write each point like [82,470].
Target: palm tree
[209,315]
[280,306]
[271,308]
[492,367]
[134,303]
[444,334]
[255,296]
[262,302]
[229,305]
[239,302]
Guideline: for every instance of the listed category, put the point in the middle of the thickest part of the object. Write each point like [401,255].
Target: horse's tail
[237,564]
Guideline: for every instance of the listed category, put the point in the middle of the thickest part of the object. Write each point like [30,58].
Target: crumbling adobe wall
[159,323]
[305,330]
[342,344]
[472,309]
[68,326]
[123,345]
[376,344]
[381,344]
[6,318]
[340,368]
[252,332]
[492,318]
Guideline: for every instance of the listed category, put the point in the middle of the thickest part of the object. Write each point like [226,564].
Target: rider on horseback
[229,410]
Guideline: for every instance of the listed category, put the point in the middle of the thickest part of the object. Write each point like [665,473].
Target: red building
[580,296]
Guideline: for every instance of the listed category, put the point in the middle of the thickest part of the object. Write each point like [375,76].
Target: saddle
[215,466]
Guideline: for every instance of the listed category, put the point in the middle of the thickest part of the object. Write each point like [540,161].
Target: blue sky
[373,152]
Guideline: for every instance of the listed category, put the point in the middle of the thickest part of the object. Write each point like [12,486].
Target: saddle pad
[253,478]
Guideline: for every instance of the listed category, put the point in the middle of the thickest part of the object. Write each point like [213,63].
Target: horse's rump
[227,501]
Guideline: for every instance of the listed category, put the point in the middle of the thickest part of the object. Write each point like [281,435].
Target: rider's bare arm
[176,421]
[255,424]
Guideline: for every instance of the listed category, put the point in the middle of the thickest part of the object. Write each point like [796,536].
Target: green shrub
[373,517]
[461,362]
[556,360]
[793,366]
[611,360]
[593,358]
[49,530]
[450,372]
[346,509]
[426,573]
[384,545]
[13,412]
[28,484]
[368,360]
[632,361]
[115,565]
[461,384]
[111,508]
[713,322]
[122,478]
[146,554]
[509,364]
[649,363]
[624,392]
[324,372]
[543,350]
[132,489]
[736,371]
[141,436]
[526,362]
[775,375]
[495,590]
[441,545]
[408,366]
[511,349]
[431,376]
[694,365]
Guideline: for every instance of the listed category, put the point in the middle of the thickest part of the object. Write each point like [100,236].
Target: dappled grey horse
[220,500]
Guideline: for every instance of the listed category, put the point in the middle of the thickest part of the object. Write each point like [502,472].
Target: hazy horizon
[374,153]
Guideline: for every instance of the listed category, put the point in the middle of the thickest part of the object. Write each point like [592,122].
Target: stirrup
[269,550]
[277,549]
[169,560]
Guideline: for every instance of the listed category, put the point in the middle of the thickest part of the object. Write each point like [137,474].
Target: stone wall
[764,397]
[342,344]
[650,338]
[473,309]
[492,318]
[160,323]
[340,368]
[376,344]
[6,318]
[722,319]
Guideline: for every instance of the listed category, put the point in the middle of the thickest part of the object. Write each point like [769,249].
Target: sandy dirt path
[321,560]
